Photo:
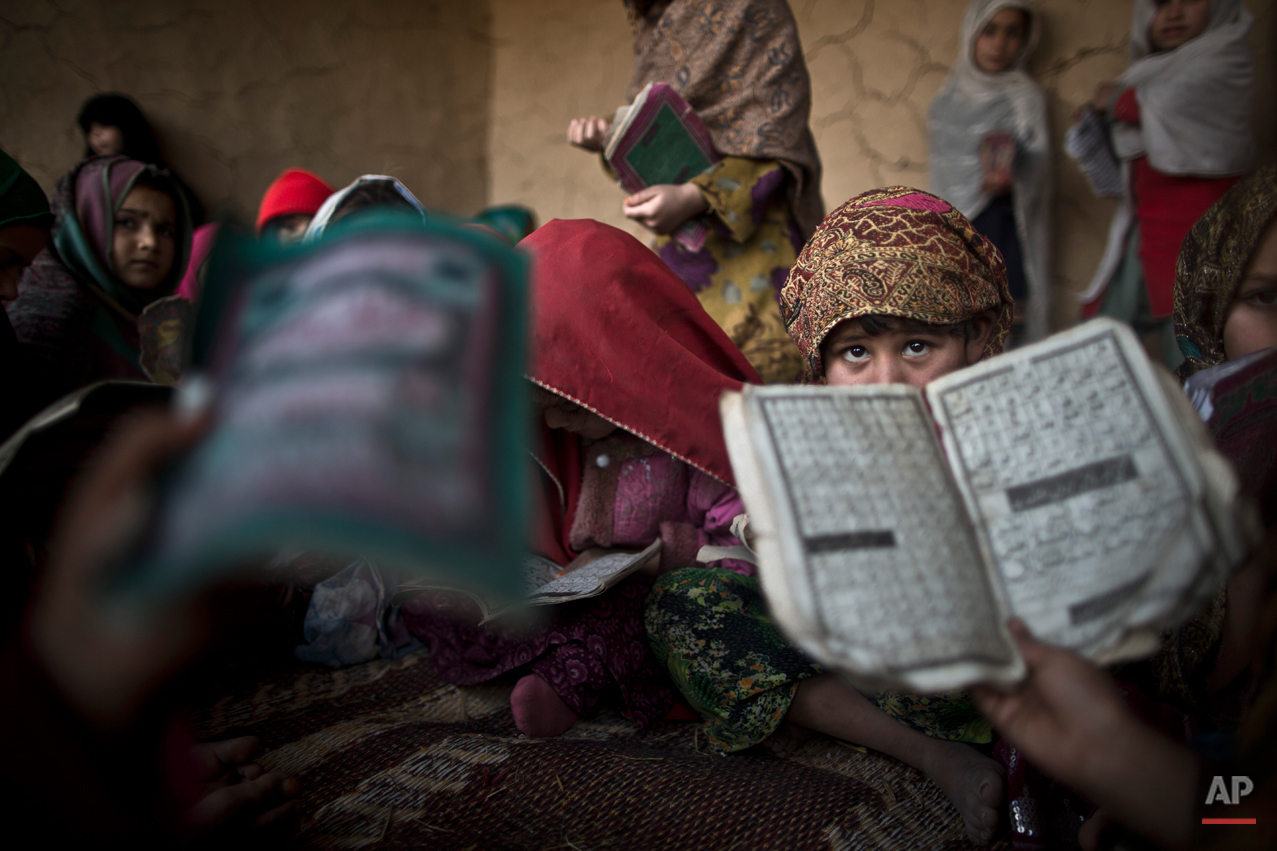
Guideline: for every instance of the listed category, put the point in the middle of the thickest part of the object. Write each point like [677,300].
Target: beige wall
[468,100]
[241,89]
[875,67]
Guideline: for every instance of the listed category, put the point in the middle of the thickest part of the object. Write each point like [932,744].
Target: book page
[874,531]
[1078,489]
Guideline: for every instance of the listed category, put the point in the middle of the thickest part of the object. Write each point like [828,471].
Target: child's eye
[126,223]
[1264,298]
[916,348]
[855,354]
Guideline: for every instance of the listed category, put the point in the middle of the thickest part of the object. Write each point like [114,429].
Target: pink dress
[594,652]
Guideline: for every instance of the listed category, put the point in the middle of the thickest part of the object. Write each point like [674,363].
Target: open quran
[549,583]
[1067,483]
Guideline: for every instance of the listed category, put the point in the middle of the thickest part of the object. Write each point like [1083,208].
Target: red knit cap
[294,192]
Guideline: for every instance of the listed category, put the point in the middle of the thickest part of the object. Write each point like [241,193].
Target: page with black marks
[874,534]
[1079,487]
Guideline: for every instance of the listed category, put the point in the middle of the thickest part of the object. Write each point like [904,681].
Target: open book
[548,583]
[659,139]
[1071,486]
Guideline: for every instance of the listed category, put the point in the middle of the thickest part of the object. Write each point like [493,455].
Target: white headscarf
[1196,101]
[325,213]
[1196,110]
[971,105]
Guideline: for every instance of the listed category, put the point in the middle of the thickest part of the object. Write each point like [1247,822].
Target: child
[370,190]
[629,370]
[894,287]
[991,153]
[289,204]
[1226,309]
[24,231]
[113,125]
[99,303]
[762,200]
[1180,121]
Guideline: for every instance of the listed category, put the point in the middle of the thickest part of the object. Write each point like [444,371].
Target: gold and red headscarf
[894,252]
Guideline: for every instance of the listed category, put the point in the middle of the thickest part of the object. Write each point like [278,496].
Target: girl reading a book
[762,200]
[631,452]
[99,303]
[894,287]
[991,154]
[1180,120]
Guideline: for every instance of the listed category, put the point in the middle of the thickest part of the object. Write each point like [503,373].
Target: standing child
[1180,121]
[895,287]
[628,370]
[739,64]
[991,153]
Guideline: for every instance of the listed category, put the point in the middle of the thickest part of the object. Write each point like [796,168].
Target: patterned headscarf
[1211,263]
[740,65]
[894,252]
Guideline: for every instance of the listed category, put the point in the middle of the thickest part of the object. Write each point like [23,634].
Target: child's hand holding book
[664,208]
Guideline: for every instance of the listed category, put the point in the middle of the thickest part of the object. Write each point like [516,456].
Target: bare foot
[237,793]
[787,739]
[538,711]
[973,783]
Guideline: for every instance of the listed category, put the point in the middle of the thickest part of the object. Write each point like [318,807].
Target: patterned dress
[712,630]
[738,273]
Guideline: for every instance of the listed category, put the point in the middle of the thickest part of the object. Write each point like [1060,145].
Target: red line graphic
[1228,821]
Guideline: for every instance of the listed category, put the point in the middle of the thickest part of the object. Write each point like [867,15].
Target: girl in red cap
[289,205]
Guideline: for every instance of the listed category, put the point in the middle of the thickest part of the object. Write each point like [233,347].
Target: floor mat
[390,756]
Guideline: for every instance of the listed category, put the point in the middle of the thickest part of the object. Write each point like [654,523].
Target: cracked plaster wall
[240,90]
[875,66]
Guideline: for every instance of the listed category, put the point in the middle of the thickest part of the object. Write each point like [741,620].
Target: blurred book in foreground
[1071,486]
[367,402]
[658,139]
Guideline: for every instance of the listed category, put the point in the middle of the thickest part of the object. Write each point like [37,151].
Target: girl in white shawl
[989,97]
[371,190]
[1180,124]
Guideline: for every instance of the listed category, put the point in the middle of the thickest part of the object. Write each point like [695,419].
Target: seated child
[1181,120]
[1226,309]
[289,204]
[370,190]
[763,199]
[894,287]
[628,369]
[113,125]
[24,231]
[100,303]
[991,150]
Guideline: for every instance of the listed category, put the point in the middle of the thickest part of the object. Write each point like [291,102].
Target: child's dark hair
[372,193]
[876,325]
[117,110]
[160,181]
